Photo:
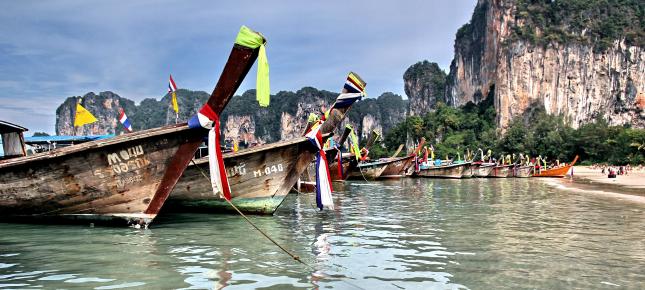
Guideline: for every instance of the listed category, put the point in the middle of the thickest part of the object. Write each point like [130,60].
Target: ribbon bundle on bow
[207,118]
[249,38]
[323,179]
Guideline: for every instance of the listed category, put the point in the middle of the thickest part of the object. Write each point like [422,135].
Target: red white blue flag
[172,87]
[124,120]
[323,179]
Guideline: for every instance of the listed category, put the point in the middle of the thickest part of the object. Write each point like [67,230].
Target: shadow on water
[407,233]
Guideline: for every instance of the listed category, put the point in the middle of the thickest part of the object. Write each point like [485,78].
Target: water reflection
[409,233]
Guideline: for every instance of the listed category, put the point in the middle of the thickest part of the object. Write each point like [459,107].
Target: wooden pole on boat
[237,66]
[397,151]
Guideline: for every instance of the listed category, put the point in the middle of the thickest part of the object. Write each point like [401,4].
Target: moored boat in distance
[556,172]
[522,171]
[443,170]
[501,171]
[481,169]
[259,177]
[122,180]
[396,167]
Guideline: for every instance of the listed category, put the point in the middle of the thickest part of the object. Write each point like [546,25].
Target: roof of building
[64,139]
[6,127]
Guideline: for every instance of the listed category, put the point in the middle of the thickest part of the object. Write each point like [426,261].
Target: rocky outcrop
[104,106]
[425,86]
[242,119]
[574,78]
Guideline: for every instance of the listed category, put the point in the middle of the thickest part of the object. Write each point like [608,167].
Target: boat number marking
[122,162]
[268,170]
[236,170]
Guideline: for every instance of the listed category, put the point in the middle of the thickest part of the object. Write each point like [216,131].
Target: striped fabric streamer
[353,90]
[323,179]
[207,118]
[124,120]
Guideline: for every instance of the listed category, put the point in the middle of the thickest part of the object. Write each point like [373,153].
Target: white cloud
[52,50]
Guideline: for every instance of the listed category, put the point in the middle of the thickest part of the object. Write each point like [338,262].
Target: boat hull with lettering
[122,180]
[260,178]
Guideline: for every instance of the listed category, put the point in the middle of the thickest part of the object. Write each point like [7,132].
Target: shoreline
[585,180]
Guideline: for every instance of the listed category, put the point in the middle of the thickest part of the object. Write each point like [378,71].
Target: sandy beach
[585,180]
[633,180]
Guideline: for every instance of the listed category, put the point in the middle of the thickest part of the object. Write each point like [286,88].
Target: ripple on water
[407,234]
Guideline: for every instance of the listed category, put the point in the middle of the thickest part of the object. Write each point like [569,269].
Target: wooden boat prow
[556,172]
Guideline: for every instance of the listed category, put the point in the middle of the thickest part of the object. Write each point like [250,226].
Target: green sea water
[402,234]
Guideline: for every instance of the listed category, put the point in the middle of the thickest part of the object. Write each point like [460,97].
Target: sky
[51,50]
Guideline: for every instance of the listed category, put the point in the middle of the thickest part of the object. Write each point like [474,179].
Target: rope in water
[295,257]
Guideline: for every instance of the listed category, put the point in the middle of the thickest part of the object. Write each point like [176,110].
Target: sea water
[401,234]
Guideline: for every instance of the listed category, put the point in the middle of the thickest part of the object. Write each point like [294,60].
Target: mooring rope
[295,257]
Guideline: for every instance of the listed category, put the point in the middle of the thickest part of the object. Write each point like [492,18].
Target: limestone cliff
[424,84]
[104,106]
[243,118]
[567,56]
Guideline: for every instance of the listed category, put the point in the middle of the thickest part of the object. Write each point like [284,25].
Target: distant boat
[400,166]
[368,170]
[449,170]
[522,171]
[123,180]
[260,177]
[501,171]
[481,169]
[556,172]
[397,167]
[468,171]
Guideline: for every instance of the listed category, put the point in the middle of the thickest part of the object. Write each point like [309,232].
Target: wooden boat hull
[112,181]
[348,166]
[555,172]
[260,179]
[369,171]
[522,171]
[443,171]
[126,178]
[501,171]
[483,170]
[468,171]
[396,168]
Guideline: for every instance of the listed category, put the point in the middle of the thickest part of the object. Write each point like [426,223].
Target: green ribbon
[353,147]
[249,38]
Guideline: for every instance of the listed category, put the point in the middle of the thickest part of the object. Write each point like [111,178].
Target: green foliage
[40,134]
[452,130]
[593,22]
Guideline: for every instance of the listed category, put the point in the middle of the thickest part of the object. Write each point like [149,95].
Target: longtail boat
[259,177]
[398,166]
[481,169]
[501,171]
[368,170]
[522,171]
[443,171]
[556,172]
[347,163]
[121,180]
[468,171]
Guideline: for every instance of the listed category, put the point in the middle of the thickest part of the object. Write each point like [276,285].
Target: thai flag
[323,179]
[172,87]
[124,120]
